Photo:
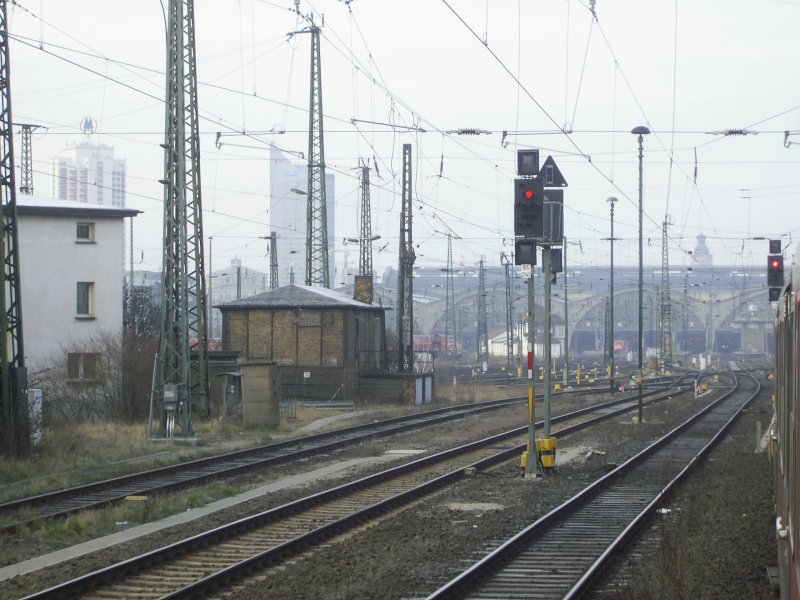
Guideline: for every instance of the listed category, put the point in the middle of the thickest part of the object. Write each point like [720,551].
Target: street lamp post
[640,131]
[611,201]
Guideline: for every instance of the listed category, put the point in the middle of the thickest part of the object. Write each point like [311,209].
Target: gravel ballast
[717,540]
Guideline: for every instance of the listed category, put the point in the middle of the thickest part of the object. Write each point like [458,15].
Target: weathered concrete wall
[260,398]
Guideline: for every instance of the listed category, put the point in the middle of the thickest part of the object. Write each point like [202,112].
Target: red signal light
[529,194]
[775,271]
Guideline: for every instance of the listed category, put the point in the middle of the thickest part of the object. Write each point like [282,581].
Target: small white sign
[526,271]
[306,374]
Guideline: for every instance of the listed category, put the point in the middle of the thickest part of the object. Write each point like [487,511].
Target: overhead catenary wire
[545,112]
[446,147]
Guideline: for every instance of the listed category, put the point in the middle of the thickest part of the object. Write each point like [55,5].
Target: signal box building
[321,341]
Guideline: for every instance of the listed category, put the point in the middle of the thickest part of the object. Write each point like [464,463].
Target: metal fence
[315,383]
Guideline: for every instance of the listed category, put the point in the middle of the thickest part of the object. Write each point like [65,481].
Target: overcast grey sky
[412,71]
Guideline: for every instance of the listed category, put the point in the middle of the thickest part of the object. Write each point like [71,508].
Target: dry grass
[77,453]
[88,525]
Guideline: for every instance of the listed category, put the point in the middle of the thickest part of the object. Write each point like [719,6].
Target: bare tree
[142,311]
[107,376]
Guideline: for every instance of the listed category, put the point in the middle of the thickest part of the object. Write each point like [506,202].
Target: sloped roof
[298,296]
[42,205]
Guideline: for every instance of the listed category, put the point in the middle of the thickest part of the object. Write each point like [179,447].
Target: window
[83,366]
[85,301]
[85,232]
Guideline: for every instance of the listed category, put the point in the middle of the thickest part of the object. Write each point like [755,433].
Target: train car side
[786,443]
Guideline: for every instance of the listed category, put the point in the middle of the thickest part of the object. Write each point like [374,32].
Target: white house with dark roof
[71,265]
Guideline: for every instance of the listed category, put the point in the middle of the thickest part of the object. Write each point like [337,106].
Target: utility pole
[130,257]
[273,260]
[450,317]
[547,269]
[317,271]
[211,320]
[685,315]
[15,432]
[183,271]
[405,280]
[566,319]
[611,201]
[483,333]
[365,228]
[640,132]
[509,317]
[26,160]
[710,326]
[532,464]
[128,306]
[363,281]
[666,307]
[606,333]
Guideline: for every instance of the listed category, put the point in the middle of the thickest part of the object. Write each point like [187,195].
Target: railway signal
[538,219]
[528,162]
[528,208]
[774,270]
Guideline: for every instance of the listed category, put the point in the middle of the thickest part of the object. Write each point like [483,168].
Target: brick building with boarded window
[320,340]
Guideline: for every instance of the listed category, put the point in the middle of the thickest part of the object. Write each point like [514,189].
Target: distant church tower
[701,254]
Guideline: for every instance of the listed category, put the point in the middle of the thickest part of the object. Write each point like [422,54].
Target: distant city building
[287,208]
[232,283]
[145,279]
[223,285]
[701,254]
[89,173]
[71,274]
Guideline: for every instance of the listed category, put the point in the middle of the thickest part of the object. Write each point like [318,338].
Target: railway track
[563,552]
[196,566]
[61,503]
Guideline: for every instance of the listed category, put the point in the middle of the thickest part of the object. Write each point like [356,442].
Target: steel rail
[61,503]
[602,563]
[180,475]
[277,553]
[469,582]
